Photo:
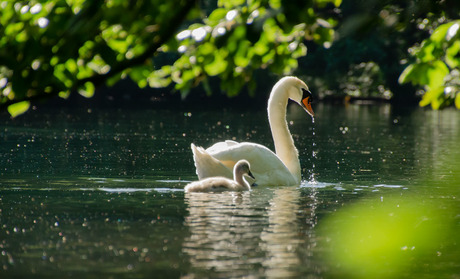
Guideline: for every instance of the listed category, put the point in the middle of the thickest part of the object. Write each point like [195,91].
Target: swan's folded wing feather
[221,146]
[207,166]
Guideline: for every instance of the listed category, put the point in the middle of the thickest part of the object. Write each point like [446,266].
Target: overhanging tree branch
[165,33]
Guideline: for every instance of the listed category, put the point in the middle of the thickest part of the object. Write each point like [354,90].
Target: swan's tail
[208,166]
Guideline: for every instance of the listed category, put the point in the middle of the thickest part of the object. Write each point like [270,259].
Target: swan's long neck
[284,144]
[239,178]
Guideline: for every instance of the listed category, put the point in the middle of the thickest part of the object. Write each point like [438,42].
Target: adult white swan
[282,168]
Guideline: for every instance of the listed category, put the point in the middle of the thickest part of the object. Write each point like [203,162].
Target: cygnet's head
[298,91]
[243,168]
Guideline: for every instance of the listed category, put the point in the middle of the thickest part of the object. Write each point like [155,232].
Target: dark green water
[98,194]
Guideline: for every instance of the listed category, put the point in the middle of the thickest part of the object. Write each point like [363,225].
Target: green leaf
[139,75]
[453,55]
[71,66]
[439,33]
[18,108]
[261,47]
[218,66]
[242,58]
[436,74]
[64,94]
[430,96]
[457,100]
[216,16]
[87,90]
[207,49]
[337,3]
[425,54]
[160,78]
[431,74]
[157,82]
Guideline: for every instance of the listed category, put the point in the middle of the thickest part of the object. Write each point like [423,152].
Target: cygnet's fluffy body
[221,184]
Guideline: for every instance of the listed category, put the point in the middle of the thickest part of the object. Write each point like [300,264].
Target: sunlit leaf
[216,16]
[241,58]
[431,96]
[207,48]
[18,108]
[457,100]
[139,75]
[64,94]
[217,66]
[261,47]
[71,66]
[160,78]
[87,90]
[337,3]
[425,54]
[436,73]
[440,33]
[431,74]
[453,55]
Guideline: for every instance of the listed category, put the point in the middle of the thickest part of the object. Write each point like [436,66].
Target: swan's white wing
[260,157]
[267,168]
[223,145]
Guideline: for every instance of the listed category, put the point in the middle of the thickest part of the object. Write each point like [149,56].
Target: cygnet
[221,184]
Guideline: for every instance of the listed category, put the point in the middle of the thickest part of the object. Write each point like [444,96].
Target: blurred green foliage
[437,67]
[393,237]
[410,232]
[57,47]
[240,37]
[356,48]
[50,48]
[372,47]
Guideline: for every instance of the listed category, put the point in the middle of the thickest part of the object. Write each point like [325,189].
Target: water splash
[312,179]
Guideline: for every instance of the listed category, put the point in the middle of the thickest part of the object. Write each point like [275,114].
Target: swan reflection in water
[280,238]
[248,233]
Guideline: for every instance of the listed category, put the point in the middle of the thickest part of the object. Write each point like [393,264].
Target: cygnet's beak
[306,102]
[250,175]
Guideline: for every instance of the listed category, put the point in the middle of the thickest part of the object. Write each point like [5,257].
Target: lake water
[99,194]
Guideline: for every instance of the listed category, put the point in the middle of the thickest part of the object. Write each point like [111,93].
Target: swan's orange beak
[307,106]
[306,101]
